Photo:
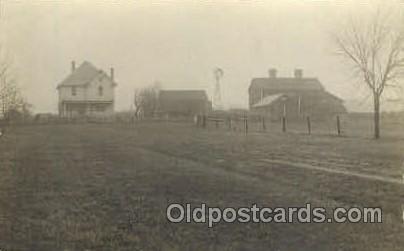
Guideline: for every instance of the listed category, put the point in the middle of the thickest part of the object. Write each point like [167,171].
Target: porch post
[64,108]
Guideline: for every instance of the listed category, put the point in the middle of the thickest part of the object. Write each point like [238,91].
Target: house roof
[268,100]
[183,94]
[333,96]
[83,75]
[287,84]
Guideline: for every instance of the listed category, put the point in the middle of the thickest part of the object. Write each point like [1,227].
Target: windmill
[217,94]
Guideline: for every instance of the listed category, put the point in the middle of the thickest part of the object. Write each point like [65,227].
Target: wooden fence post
[308,125]
[283,124]
[264,128]
[197,120]
[229,121]
[246,124]
[204,121]
[338,126]
[217,123]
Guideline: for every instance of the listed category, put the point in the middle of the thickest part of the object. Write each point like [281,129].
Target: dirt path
[333,171]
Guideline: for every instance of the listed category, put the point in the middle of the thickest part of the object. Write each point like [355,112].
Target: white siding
[93,89]
[90,92]
[65,93]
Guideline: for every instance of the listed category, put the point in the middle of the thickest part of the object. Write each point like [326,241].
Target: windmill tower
[217,93]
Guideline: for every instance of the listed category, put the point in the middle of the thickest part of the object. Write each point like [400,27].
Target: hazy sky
[177,43]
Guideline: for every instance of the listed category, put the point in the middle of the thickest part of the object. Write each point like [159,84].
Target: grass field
[107,186]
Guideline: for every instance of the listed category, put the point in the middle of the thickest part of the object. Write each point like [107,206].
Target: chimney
[298,73]
[272,73]
[73,66]
[112,73]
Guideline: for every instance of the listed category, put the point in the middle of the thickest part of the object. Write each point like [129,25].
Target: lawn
[107,186]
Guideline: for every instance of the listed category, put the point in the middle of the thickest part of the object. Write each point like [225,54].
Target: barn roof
[83,75]
[287,84]
[268,100]
[183,94]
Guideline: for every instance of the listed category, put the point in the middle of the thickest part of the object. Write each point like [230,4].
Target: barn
[293,97]
[183,102]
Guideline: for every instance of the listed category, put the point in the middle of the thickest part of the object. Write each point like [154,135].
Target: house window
[74,91]
[100,91]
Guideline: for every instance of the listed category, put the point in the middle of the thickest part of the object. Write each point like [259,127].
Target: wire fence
[344,125]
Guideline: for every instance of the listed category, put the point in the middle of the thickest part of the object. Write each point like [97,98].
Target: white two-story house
[87,91]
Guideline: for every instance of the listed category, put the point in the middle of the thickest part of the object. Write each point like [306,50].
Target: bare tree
[146,101]
[374,48]
[11,101]
[137,101]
